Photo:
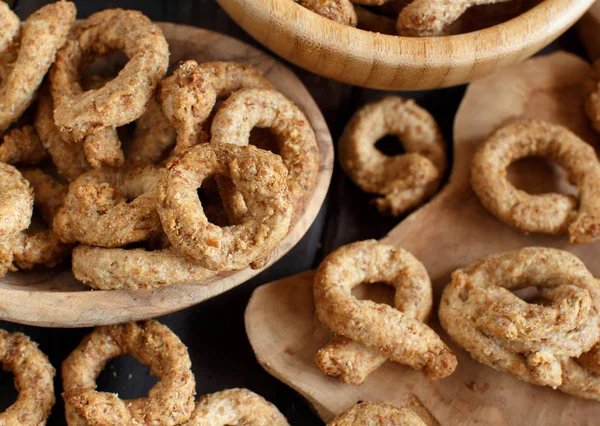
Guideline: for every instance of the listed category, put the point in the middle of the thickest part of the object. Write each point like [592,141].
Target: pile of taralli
[127,210]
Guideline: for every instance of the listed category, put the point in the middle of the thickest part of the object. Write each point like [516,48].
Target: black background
[214,331]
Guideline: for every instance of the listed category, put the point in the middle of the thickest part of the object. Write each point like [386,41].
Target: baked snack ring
[117,268]
[169,402]
[33,380]
[530,341]
[111,207]
[22,146]
[258,175]
[16,201]
[403,181]
[250,108]
[34,49]
[592,96]
[400,337]
[548,213]
[92,116]
[235,407]
[426,18]
[380,413]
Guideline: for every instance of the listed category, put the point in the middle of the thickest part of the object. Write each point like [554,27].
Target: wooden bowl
[53,298]
[387,62]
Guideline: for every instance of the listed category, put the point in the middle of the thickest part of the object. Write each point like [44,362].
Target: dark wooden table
[214,331]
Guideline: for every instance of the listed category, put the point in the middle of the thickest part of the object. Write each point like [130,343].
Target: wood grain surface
[452,231]
[214,330]
[589,31]
[53,298]
[381,61]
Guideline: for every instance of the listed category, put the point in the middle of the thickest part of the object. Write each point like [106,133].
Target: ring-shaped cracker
[401,337]
[258,175]
[550,213]
[404,181]
[42,34]
[92,116]
[263,108]
[380,413]
[169,402]
[16,201]
[530,341]
[33,380]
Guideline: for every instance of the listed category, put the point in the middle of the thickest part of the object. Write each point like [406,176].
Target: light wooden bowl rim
[359,48]
[21,302]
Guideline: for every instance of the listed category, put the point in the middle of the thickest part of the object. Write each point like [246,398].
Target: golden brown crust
[91,117]
[426,18]
[33,380]
[44,32]
[235,407]
[398,334]
[258,175]
[377,414]
[592,95]
[250,108]
[110,207]
[22,146]
[341,11]
[154,136]
[530,341]
[404,181]
[169,402]
[115,269]
[551,213]
[68,158]
[16,201]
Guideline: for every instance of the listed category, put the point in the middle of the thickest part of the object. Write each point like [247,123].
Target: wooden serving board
[451,231]
[53,298]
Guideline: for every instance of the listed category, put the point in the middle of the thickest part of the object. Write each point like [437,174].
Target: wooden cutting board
[53,298]
[451,231]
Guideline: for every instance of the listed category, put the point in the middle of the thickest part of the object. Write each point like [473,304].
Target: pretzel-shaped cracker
[375,332]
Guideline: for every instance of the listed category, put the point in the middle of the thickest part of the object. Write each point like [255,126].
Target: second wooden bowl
[379,61]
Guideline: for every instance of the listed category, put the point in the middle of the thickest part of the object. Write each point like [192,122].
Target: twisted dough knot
[551,213]
[531,341]
[169,402]
[92,116]
[373,332]
[404,181]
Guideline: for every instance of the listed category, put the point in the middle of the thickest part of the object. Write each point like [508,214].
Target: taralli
[397,334]
[189,96]
[92,116]
[33,380]
[250,108]
[404,181]
[370,21]
[169,402]
[22,146]
[341,11]
[533,342]
[34,49]
[551,213]
[430,17]
[258,175]
[115,269]
[69,158]
[592,96]
[111,207]
[16,201]
[377,414]
[235,407]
